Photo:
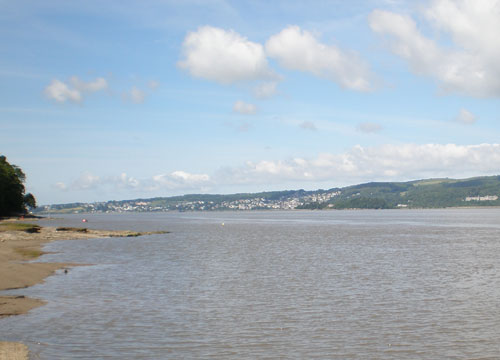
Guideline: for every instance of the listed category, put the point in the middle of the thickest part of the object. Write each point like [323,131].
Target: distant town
[298,200]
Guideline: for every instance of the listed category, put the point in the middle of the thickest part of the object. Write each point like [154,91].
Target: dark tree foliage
[363,203]
[13,199]
[312,206]
[30,201]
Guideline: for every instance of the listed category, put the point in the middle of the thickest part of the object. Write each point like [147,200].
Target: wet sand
[16,248]
[13,351]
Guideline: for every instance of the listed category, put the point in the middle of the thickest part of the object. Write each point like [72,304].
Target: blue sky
[106,100]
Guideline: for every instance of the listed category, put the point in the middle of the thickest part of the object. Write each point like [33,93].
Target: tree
[12,197]
[30,201]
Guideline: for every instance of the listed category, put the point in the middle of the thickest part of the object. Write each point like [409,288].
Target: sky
[114,100]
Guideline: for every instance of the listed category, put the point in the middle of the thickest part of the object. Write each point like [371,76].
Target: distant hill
[429,193]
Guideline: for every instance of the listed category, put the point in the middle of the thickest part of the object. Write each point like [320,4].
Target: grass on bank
[28,253]
[15,226]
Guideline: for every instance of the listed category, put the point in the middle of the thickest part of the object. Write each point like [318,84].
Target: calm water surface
[421,284]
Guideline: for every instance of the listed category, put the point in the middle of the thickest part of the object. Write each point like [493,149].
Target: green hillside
[430,193]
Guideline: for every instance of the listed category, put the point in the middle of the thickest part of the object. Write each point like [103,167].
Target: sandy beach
[20,244]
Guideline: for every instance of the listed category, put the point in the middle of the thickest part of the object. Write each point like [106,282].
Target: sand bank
[20,243]
[13,351]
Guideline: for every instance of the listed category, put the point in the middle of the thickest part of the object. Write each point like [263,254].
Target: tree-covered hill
[430,193]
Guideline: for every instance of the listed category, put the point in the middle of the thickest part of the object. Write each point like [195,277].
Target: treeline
[354,203]
[13,199]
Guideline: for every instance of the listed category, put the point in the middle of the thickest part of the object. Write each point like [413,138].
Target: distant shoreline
[21,242]
[52,214]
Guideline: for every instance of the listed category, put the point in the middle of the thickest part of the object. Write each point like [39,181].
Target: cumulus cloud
[74,90]
[244,108]
[60,92]
[177,180]
[189,178]
[465,117]
[471,65]
[359,164]
[89,181]
[124,181]
[298,49]
[368,127]
[223,56]
[86,181]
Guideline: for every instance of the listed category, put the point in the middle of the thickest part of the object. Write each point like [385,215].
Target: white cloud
[244,108]
[62,92]
[86,181]
[89,181]
[61,186]
[124,181]
[359,164]
[223,56]
[299,50]
[137,96]
[369,127]
[189,178]
[468,67]
[266,90]
[177,180]
[465,117]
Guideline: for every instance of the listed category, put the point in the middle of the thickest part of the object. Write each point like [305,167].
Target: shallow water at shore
[399,284]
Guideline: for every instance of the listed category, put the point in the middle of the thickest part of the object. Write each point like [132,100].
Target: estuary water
[390,284]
